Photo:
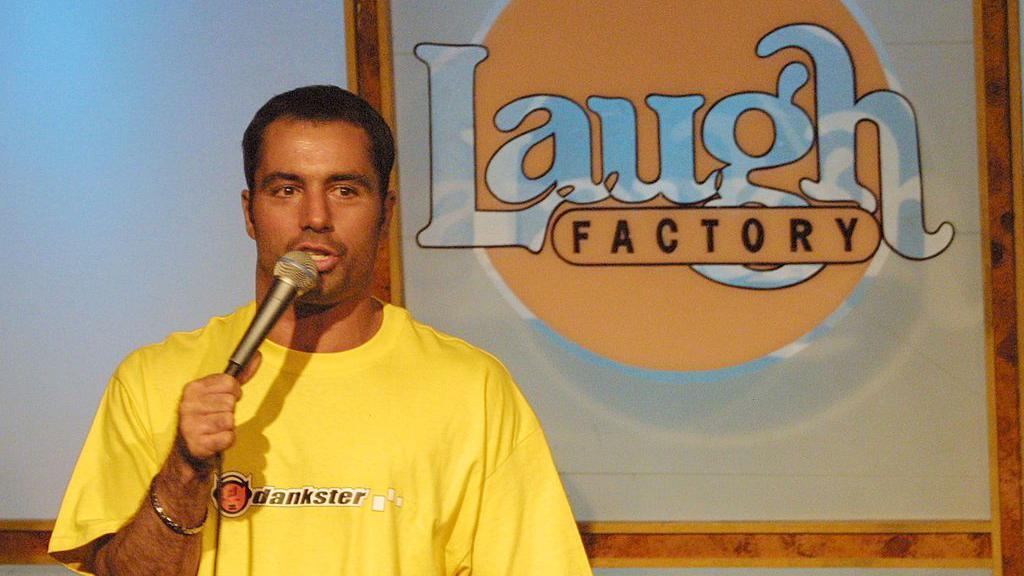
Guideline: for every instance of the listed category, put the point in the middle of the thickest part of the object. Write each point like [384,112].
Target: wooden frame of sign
[997,543]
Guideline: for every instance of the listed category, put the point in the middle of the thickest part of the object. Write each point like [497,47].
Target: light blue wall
[121,169]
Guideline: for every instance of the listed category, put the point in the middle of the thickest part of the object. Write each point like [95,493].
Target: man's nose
[316,213]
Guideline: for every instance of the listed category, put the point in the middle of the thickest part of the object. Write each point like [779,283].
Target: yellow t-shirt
[413,454]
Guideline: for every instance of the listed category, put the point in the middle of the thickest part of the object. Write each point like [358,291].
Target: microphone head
[298,269]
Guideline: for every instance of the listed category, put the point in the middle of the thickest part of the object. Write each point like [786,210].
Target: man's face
[316,190]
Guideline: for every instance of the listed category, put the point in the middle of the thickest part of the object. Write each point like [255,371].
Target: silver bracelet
[174,526]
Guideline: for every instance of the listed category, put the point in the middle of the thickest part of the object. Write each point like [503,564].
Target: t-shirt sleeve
[526,526]
[110,478]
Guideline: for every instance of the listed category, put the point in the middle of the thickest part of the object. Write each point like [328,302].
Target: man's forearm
[151,545]
[146,545]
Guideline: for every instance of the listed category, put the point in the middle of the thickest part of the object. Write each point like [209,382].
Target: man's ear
[247,213]
[387,210]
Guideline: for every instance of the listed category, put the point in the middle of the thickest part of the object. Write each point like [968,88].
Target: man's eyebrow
[356,177]
[288,176]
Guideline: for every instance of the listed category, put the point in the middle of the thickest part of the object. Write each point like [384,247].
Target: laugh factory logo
[690,188]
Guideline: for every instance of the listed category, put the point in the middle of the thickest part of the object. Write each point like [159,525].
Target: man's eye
[284,191]
[345,191]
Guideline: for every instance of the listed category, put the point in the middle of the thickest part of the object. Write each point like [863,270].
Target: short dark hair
[321,104]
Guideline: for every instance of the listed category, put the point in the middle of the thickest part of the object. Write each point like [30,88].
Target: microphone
[295,274]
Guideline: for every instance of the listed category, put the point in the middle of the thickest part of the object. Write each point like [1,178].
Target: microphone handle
[278,298]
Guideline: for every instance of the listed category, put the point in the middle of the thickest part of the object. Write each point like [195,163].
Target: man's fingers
[207,435]
[214,384]
[220,441]
[211,444]
[211,404]
[224,440]
[207,424]
[206,415]
[222,421]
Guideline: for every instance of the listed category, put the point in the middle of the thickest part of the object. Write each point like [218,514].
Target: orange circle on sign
[662,317]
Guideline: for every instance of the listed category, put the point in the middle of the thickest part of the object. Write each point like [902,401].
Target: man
[362,442]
